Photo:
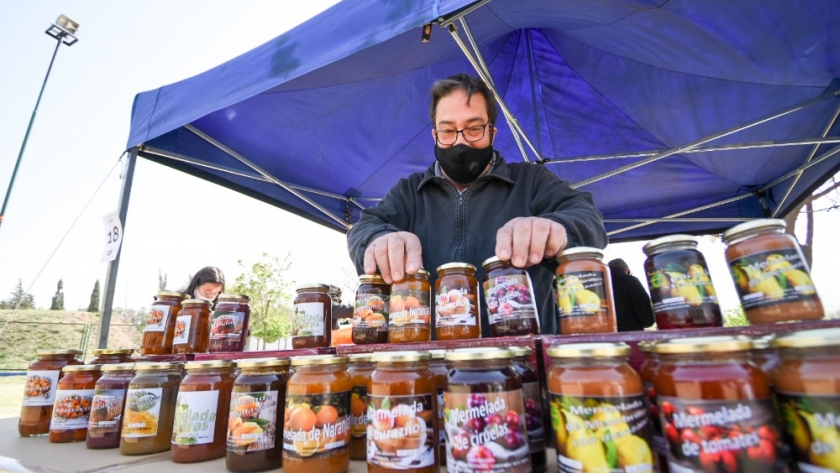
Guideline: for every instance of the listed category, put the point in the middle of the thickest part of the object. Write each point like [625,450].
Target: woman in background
[207,284]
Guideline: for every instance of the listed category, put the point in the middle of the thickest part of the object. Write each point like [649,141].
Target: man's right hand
[395,254]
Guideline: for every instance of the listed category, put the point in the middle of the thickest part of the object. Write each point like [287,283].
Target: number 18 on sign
[113,236]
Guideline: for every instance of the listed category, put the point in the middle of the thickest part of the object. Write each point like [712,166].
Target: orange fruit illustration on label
[246,433]
[412,302]
[397,303]
[357,406]
[303,419]
[326,415]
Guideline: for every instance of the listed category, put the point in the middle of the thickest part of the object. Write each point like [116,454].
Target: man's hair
[619,264]
[469,85]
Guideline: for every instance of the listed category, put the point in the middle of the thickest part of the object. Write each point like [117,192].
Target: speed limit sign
[113,236]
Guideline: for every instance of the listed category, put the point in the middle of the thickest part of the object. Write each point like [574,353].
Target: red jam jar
[584,292]
[111,356]
[42,379]
[509,295]
[73,401]
[160,323]
[229,326]
[532,392]
[456,302]
[370,319]
[192,327]
[108,405]
[312,317]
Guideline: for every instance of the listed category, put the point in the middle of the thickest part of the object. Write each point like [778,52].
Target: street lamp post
[63,31]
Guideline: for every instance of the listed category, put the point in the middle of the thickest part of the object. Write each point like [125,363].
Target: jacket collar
[500,171]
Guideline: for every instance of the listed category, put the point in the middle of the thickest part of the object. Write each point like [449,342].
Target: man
[633,310]
[471,204]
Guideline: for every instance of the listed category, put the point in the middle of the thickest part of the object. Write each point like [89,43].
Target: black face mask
[463,164]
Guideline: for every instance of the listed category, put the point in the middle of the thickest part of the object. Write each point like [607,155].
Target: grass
[11,394]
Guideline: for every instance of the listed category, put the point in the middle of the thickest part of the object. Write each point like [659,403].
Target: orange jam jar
[112,356]
[192,327]
[42,379]
[316,433]
[597,409]
[73,401]
[440,371]
[584,292]
[229,325]
[150,408]
[456,302]
[715,406]
[160,323]
[359,370]
[532,393]
[312,318]
[108,404]
[411,309]
[509,295]
[370,319]
[770,273]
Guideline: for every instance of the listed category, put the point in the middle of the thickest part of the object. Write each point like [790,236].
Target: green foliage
[94,298]
[19,299]
[58,298]
[271,295]
[735,318]
[277,327]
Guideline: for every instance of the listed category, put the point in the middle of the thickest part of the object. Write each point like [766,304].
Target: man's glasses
[471,134]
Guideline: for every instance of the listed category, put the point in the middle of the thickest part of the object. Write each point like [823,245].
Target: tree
[808,205]
[162,281]
[270,293]
[19,299]
[735,318]
[278,325]
[58,298]
[94,298]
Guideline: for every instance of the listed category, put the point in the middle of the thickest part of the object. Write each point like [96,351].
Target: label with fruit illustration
[156,320]
[707,436]
[771,277]
[811,427]
[182,329]
[107,409]
[39,389]
[308,320]
[227,325]
[486,432]
[509,297]
[581,293]
[607,434]
[142,412]
[72,409]
[456,306]
[680,285]
[195,417]
[534,416]
[410,308]
[371,311]
[316,424]
[358,412]
[401,431]
[252,423]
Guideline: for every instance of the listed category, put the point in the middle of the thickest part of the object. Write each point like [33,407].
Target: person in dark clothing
[633,310]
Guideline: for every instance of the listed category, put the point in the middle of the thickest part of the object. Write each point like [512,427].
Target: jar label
[401,431]
[195,417]
[107,410]
[441,418]
[486,432]
[253,421]
[812,430]
[456,306]
[772,277]
[318,424]
[371,311]
[740,435]
[72,409]
[509,298]
[581,293]
[607,434]
[358,412]
[156,320]
[680,285]
[308,320]
[39,389]
[182,329]
[142,412]
[657,440]
[410,309]
[227,325]
[534,416]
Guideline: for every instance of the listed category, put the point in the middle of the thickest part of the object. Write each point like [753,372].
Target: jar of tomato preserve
[680,286]
[107,408]
[370,320]
[411,309]
[39,390]
[160,323]
[597,408]
[192,327]
[440,371]
[485,413]
[73,401]
[647,371]
[359,370]
[532,393]
[316,437]
[112,356]
[312,317]
[584,292]
[150,408]
[229,326]
[770,273]
[715,406]
[509,295]
[256,412]
[456,302]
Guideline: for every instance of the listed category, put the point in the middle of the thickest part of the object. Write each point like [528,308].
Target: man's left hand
[526,241]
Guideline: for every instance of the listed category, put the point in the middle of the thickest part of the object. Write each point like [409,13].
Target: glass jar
[312,317]
[150,408]
[160,323]
[370,320]
[715,406]
[359,370]
[108,403]
[680,286]
[597,410]
[402,397]
[111,356]
[647,371]
[770,273]
[256,411]
[411,309]
[440,371]
[73,401]
[229,325]
[765,356]
[532,393]
[42,378]
[316,436]
[511,307]
[485,412]
[584,292]
[192,327]
[456,302]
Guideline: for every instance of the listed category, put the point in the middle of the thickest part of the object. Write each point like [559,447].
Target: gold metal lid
[717,344]
[824,337]
[118,367]
[358,357]
[581,350]
[751,226]
[662,243]
[158,366]
[234,298]
[437,354]
[762,343]
[421,274]
[646,346]
[306,360]
[371,279]
[206,365]
[81,368]
[520,351]
[491,260]
[263,363]
[171,294]
[67,351]
[312,287]
[478,353]
[446,266]
[582,250]
[196,302]
[399,356]
[115,351]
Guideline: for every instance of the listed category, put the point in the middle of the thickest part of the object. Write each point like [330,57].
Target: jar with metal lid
[256,412]
[111,356]
[312,318]
[532,393]
[765,356]
[316,434]
[807,384]
[370,319]
[73,401]
[771,274]
[680,285]
[42,378]
[456,302]
[411,309]
[229,325]
[359,369]
[647,371]
[192,327]
[440,371]
[108,404]
[597,408]
[509,294]
[485,412]
[715,406]
[150,408]
[584,292]
[160,323]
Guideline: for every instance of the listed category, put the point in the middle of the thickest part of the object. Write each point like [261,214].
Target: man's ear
[434,137]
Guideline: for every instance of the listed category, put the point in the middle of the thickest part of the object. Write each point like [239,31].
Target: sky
[176,223]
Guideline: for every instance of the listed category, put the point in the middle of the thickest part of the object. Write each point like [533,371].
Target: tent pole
[532,75]
[670,220]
